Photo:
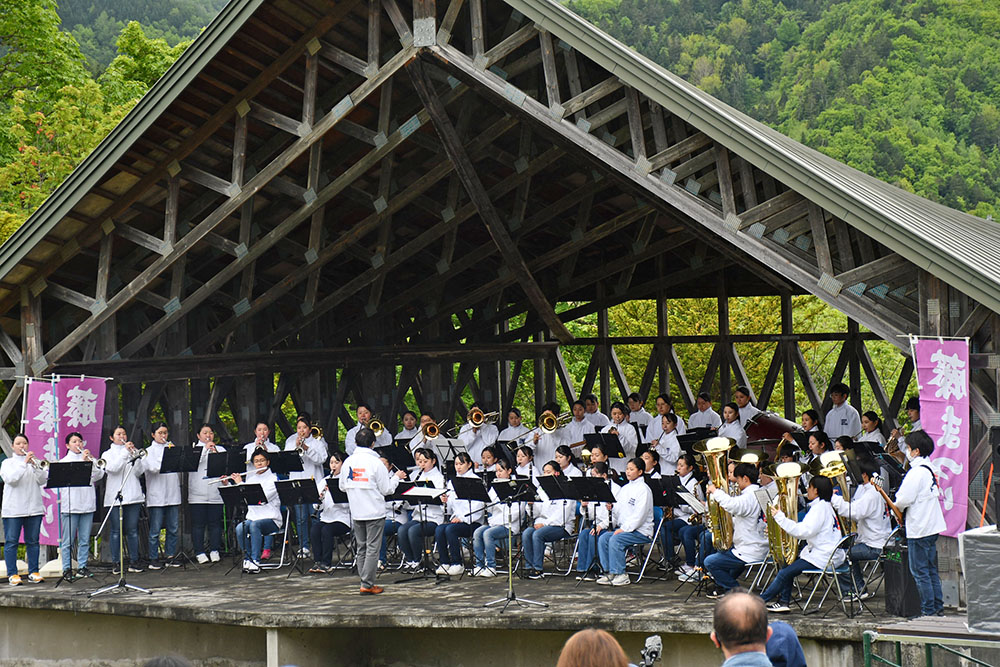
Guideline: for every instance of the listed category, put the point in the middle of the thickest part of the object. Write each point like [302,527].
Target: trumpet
[477,417]
[376,425]
[138,454]
[39,465]
[101,463]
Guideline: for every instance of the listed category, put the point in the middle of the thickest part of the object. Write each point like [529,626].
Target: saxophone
[716,454]
[784,547]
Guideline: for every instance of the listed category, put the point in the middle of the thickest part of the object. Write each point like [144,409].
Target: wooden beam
[591,95]
[549,68]
[817,224]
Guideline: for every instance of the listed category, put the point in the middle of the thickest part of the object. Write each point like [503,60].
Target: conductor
[365,480]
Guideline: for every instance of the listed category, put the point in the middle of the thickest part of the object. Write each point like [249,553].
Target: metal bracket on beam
[311,255]
[172,306]
[98,306]
[424,31]
[241,306]
[829,284]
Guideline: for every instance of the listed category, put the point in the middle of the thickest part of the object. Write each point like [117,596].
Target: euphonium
[716,454]
[829,464]
[376,425]
[784,547]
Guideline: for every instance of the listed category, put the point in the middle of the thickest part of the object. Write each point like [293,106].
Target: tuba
[784,547]
[716,454]
[829,464]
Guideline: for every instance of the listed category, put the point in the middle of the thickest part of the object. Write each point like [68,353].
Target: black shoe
[939,612]
[84,572]
[134,567]
[715,594]
[68,575]
[535,574]
[117,569]
[155,565]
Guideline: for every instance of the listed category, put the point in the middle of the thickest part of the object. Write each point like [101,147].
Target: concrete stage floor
[273,619]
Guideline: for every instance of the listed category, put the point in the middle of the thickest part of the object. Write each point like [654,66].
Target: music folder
[333,489]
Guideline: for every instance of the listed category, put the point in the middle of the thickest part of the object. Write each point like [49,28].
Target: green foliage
[139,63]
[34,53]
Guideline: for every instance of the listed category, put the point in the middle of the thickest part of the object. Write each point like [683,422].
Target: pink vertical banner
[54,408]
[943,381]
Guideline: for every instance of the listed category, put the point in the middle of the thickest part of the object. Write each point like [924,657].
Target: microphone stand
[122,585]
[511,596]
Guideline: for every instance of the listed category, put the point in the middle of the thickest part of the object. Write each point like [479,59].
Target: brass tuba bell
[716,454]
[784,547]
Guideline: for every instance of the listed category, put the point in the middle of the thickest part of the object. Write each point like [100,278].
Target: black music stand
[558,487]
[508,450]
[283,463]
[509,492]
[693,436]
[65,475]
[178,459]
[122,585]
[398,454]
[296,492]
[593,490]
[420,494]
[242,495]
[664,496]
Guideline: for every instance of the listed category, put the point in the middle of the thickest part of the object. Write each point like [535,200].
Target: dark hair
[22,435]
[362,404]
[555,466]
[580,403]
[260,451]
[427,413]
[493,451]
[552,406]
[638,463]
[846,441]
[652,452]
[262,421]
[840,388]
[303,419]
[304,416]
[634,396]
[869,467]
[913,403]
[823,486]
[873,417]
[732,406]
[590,397]
[688,458]
[598,446]
[620,406]
[365,437]
[204,425]
[339,455]
[157,426]
[70,435]
[740,619]
[813,415]
[567,452]
[666,399]
[504,463]
[823,439]
[600,467]
[463,457]
[670,417]
[410,412]
[748,470]
[788,449]
[742,389]
[705,397]
[527,451]
[920,441]
[516,411]
[427,453]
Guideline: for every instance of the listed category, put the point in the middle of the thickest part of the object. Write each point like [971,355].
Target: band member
[23,479]
[466,517]
[77,505]
[596,519]
[819,442]
[741,396]
[564,457]
[410,428]
[749,530]
[525,462]
[163,501]
[732,428]
[686,526]
[314,454]
[705,417]
[579,425]
[666,444]
[842,419]
[637,412]
[334,520]
[553,522]
[546,443]
[920,493]
[477,438]
[594,414]
[419,441]
[396,515]
[634,503]
[821,531]
[810,422]
[871,514]
[262,519]
[501,515]
[489,459]
[367,482]
[364,414]
[124,466]
[425,518]
[515,429]
[262,440]
[898,451]
[205,502]
[626,436]
[871,424]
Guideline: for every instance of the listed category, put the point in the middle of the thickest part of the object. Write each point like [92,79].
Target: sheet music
[692,502]
[764,498]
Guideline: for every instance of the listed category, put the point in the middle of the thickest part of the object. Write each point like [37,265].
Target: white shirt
[559,512]
[545,448]
[384,439]
[746,412]
[707,418]
[200,492]
[501,515]
[692,486]
[640,417]
[512,433]
[735,431]
[312,459]
[842,420]
[821,532]
[598,419]
[629,440]
[366,481]
[669,449]
[270,509]
[251,447]
[749,525]
[874,436]
[79,499]
[116,466]
[902,440]
[870,512]
[331,512]
[920,493]
[396,510]
[22,488]
[635,507]
[162,490]
[462,509]
[424,512]
[575,430]
[572,471]
[476,440]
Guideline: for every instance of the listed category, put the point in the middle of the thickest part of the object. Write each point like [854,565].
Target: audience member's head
[592,648]
[740,624]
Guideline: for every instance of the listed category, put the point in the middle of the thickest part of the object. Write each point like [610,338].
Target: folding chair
[765,570]
[830,574]
[876,568]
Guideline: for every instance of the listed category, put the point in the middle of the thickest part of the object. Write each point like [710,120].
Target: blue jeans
[411,538]
[707,547]
[689,537]
[671,532]
[586,548]
[163,517]
[391,528]
[725,568]
[448,537]
[484,544]
[781,587]
[859,552]
[251,534]
[12,535]
[302,513]
[324,538]
[206,516]
[130,521]
[611,549]
[923,567]
[533,541]
[70,526]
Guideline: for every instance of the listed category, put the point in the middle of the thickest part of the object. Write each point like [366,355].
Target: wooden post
[725,372]
[788,363]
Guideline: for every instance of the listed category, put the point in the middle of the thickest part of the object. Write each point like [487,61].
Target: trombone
[548,422]
[477,417]
[376,425]
[316,432]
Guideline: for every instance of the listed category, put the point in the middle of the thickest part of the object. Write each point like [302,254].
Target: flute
[220,480]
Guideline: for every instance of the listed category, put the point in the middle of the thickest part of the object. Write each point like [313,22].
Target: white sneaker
[688,577]
[604,580]
[250,566]
[201,558]
[411,566]
[456,569]
[621,580]
[441,569]
[214,556]
[684,569]
[487,572]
